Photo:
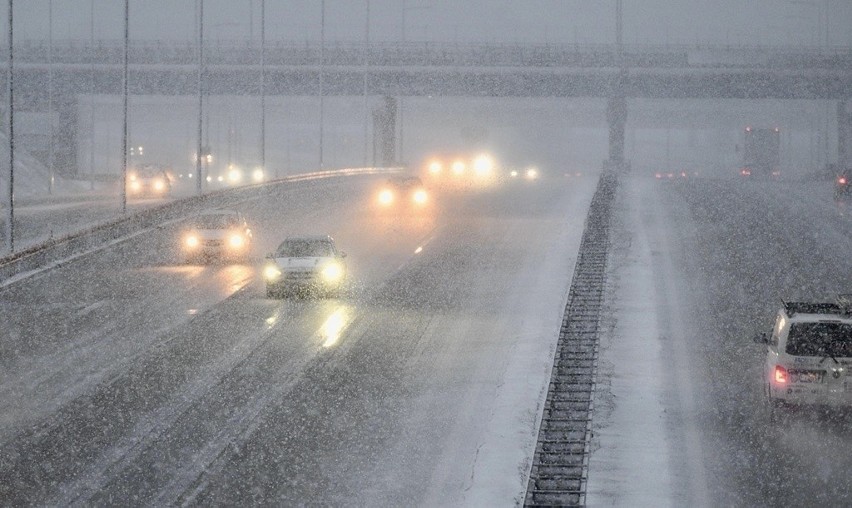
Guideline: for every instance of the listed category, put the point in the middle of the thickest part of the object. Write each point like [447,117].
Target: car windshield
[212,221]
[149,172]
[820,339]
[304,249]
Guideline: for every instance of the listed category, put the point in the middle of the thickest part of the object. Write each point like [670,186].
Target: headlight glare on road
[332,272]
[420,197]
[191,241]
[271,272]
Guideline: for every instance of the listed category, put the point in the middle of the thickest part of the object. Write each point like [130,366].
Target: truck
[761,152]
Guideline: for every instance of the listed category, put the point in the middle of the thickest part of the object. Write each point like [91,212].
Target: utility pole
[199,153]
[124,90]
[10,196]
[321,70]
[263,87]
[92,91]
[366,78]
[50,155]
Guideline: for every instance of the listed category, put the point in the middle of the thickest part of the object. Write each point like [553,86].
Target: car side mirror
[760,338]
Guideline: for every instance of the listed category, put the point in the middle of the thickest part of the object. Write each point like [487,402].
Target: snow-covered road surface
[130,376]
[699,267]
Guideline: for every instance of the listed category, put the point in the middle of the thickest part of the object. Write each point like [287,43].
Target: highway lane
[133,377]
[737,248]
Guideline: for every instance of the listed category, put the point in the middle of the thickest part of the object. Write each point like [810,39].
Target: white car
[219,234]
[809,355]
[310,263]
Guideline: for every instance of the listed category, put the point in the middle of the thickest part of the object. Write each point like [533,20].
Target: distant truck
[761,152]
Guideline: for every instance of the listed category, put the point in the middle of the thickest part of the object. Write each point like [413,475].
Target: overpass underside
[437,72]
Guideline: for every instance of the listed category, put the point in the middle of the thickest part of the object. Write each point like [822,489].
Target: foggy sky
[772,22]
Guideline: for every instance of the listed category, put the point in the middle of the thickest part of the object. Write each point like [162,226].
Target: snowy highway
[132,377]
[698,268]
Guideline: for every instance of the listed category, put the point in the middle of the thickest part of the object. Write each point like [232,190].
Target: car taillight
[780,375]
[841,180]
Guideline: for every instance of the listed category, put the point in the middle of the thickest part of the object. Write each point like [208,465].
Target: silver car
[305,263]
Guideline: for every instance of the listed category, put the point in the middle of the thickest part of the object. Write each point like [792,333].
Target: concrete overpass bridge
[430,69]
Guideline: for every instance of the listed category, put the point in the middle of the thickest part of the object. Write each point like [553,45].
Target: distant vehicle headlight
[420,196]
[483,165]
[159,185]
[235,175]
[458,167]
[257,175]
[271,272]
[135,186]
[386,197]
[513,173]
[236,241]
[435,167]
[332,272]
[531,173]
[191,241]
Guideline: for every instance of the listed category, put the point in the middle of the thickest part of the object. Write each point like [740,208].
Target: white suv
[809,355]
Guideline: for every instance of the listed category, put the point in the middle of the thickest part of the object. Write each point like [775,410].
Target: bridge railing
[308,53]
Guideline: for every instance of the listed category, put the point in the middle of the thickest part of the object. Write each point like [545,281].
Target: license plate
[807,376]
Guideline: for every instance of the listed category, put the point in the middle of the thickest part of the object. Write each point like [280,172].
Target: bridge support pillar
[384,133]
[616,117]
[844,134]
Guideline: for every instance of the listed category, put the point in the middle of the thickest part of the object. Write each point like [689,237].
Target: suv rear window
[820,339]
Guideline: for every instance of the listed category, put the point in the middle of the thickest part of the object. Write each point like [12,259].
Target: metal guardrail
[56,251]
[560,464]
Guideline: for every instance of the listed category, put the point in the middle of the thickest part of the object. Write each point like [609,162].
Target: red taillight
[780,375]
[841,180]
[745,172]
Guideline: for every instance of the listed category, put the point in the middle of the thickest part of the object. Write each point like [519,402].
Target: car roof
[310,238]
[219,212]
[816,311]
[404,179]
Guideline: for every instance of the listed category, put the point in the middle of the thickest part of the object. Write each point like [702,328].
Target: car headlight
[236,241]
[420,197]
[435,167]
[532,174]
[191,241]
[159,185]
[513,174]
[386,197]
[257,175]
[332,272]
[483,165]
[458,167]
[135,186]
[235,175]
[271,272]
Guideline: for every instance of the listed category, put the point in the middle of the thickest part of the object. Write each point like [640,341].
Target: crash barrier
[559,468]
[56,251]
